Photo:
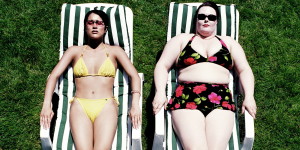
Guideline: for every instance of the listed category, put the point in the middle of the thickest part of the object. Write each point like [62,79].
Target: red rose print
[212,58]
[171,101]
[233,107]
[179,90]
[191,105]
[190,61]
[177,105]
[199,89]
[214,98]
[215,85]
[226,104]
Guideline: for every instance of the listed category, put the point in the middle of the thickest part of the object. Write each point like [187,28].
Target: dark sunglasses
[91,22]
[209,17]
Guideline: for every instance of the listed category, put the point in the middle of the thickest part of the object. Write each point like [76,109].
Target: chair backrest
[119,33]
[180,21]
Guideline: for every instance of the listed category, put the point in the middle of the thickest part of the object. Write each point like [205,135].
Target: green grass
[269,34]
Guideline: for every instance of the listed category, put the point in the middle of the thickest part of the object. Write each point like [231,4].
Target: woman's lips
[94,32]
[205,25]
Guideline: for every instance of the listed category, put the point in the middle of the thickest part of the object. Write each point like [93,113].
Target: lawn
[269,33]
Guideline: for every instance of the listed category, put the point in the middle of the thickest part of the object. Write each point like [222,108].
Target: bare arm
[246,76]
[47,113]
[135,112]
[163,66]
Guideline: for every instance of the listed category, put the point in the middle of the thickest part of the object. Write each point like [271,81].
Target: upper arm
[171,51]
[238,55]
[64,62]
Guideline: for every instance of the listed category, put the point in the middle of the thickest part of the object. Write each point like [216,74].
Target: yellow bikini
[107,69]
[93,107]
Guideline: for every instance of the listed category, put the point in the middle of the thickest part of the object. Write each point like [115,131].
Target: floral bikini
[202,96]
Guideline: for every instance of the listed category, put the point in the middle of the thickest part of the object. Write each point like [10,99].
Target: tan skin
[100,134]
[193,129]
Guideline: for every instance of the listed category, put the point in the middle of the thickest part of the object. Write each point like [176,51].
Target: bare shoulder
[74,50]
[228,40]
[182,37]
[114,50]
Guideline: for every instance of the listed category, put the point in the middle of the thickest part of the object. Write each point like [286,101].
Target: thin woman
[202,108]
[94,110]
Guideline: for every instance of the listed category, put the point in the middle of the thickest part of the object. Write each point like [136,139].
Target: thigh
[219,125]
[105,126]
[189,126]
[81,127]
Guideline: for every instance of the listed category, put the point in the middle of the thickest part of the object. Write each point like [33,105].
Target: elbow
[161,68]
[52,77]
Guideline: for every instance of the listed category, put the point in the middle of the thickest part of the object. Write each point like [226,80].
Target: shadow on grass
[150,127]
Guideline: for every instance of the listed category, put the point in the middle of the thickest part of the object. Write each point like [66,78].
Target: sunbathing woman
[94,110]
[202,107]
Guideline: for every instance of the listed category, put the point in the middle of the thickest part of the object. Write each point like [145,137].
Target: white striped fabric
[119,33]
[180,21]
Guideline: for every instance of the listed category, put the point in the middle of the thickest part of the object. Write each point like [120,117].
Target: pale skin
[194,130]
[100,134]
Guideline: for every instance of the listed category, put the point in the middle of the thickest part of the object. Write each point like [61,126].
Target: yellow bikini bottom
[92,107]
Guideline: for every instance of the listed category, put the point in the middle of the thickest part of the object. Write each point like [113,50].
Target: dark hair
[101,14]
[207,3]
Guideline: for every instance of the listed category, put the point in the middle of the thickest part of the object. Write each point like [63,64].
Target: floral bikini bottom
[202,96]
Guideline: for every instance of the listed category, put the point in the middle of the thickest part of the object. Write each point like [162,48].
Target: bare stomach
[204,72]
[94,87]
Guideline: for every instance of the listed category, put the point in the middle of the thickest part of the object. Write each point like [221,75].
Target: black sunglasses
[209,17]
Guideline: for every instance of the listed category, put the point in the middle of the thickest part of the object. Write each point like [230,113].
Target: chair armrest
[45,139]
[249,132]
[159,134]
[136,133]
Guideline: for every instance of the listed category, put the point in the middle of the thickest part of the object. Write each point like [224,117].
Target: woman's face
[95,27]
[206,21]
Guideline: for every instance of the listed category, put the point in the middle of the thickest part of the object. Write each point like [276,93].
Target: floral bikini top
[189,56]
[107,69]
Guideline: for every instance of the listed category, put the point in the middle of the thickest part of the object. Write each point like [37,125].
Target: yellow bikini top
[107,69]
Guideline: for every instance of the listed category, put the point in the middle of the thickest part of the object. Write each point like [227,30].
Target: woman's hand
[250,105]
[159,101]
[46,116]
[136,116]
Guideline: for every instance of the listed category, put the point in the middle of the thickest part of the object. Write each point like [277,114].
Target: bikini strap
[222,42]
[105,49]
[193,38]
[84,48]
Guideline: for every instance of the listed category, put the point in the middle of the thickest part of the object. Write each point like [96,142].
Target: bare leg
[219,125]
[81,127]
[189,126]
[105,126]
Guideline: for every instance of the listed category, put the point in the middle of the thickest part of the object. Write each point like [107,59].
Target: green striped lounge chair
[119,33]
[180,21]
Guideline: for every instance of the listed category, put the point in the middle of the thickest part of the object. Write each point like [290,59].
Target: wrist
[135,92]
[135,104]
[247,98]
[46,104]
[160,91]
